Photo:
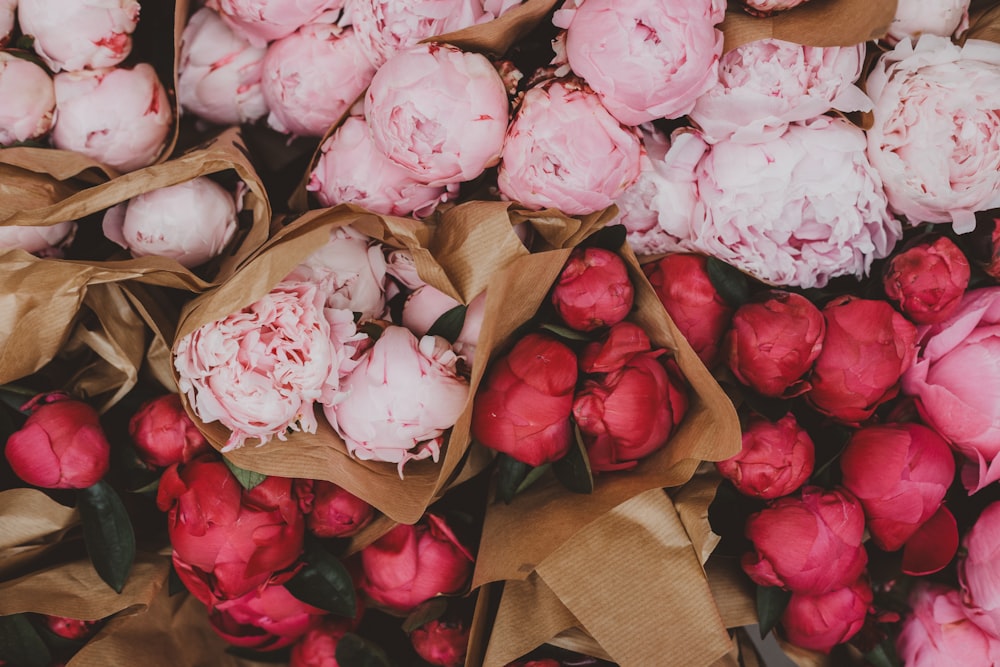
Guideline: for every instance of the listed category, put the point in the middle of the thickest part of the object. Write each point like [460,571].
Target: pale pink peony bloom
[767,84]
[191,222]
[439,112]
[564,150]
[262,21]
[219,73]
[260,371]
[349,271]
[44,241]
[659,208]
[768,7]
[29,100]
[936,134]
[497,8]
[646,59]
[79,34]
[401,266]
[933,17]
[7,20]
[787,218]
[312,77]
[120,117]
[979,571]
[385,27]
[426,304]
[400,399]
[939,633]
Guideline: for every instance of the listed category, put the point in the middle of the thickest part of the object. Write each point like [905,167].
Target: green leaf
[566,332]
[248,478]
[427,611]
[449,325]
[26,42]
[16,396]
[731,284]
[511,474]
[20,643]
[355,651]
[324,582]
[174,583]
[883,655]
[532,477]
[771,603]
[573,470]
[371,330]
[107,533]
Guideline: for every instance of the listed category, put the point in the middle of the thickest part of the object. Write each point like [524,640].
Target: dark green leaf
[108,534]
[355,651]
[426,612]
[532,477]
[16,396]
[248,478]
[771,603]
[573,470]
[371,330]
[610,238]
[731,284]
[26,42]
[20,643]
[174,583]
[566,332]
[511,473]
[883,655]
[449,325]
[281,655]
[324,582]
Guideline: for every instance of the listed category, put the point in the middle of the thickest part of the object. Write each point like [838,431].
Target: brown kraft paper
[32,523]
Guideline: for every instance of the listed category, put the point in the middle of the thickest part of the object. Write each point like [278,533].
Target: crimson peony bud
[774,342]
[318,647]
[523,406]
[60,446]
[70,628]
[993,265]
[411,564]
[594,290]
[163,433]
[808,545]
[776,459]
[820,622]
[868,346]
[702,315]
[928,280]
[441,643]
[330,510]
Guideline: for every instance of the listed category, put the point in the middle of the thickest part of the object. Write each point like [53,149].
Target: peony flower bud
[689,297]
[120,117]
[400,265]
[867,348]
[401,398]
[43,241]
[312,77]
[219,75]
[564,150]
[163,434]
[438,112]
[775,460]
[820,622]
[190,222]
[29,100]
[411,564]
[60,446]
[808,545]
[70,628]
[318,647]
[773,342]
[79,34]
[648,59]
[928,17]
[593,290]
[263,21]
[441,642]
[7,20]
[938,632]
[523,406]
[330,510]
[767,7]
[928,280]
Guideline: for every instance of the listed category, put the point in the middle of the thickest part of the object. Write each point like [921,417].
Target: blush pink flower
[938,631]
[400,399]
[564,150]
[262,21]
[79,34]
[767,7]
[7,20]
[979,571]
[160,222]
[438,112]
[426,304]
[43,241]
[820,622]
[936,136]
[120,117]
[928,17]
[312,77]
[645,59]
[219,75]
[779,214]
[775,460]
[29,100]
[766,84]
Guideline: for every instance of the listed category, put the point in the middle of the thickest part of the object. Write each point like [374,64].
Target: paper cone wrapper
[984,22]
[33,524]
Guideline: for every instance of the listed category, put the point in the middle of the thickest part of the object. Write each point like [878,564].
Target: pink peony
[979,571]
[442,642]
[351,170]
[163,434]
[564,150]
[312,77]
[330,510]
[593,290]
[7,20]
[261,371]
[928,17]
[781,215]
[79,34]
[768,7]
[262,21]
[645,59]
[936,136]
[766,84]
[318,647]
[120,117]
[29,100]
[955,380]
[400,399]
[928,279]
[775,460]
[820,622]
[191,222]
[426,304]
[939,633]
[219,75]
[44,241]
[438,112]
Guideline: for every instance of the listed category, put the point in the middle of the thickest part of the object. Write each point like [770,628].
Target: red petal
[933,545]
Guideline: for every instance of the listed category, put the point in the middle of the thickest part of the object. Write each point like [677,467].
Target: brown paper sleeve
[32,524]
[692,502]
[984,22]
[813,23]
